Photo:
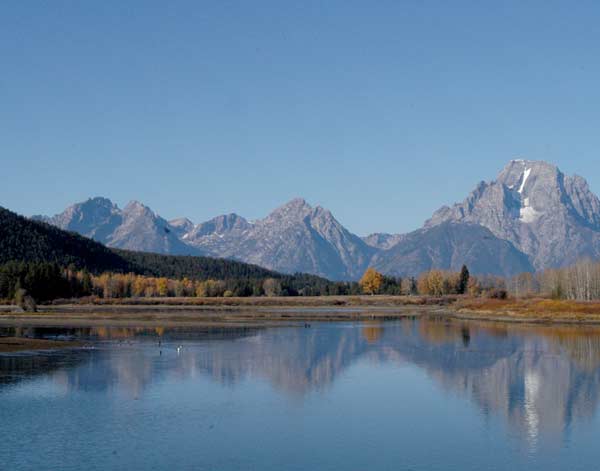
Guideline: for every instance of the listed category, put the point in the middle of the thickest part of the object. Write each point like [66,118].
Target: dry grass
[535,309]
[295,301]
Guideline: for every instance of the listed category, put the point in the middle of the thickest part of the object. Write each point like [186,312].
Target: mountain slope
[294,238]
[381,240]
[135,227]
[218,236]
[553,218]
[95,218]
[449,246]
[142,230]
[181,226]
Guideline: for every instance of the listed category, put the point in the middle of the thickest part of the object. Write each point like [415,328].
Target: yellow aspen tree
[371,281]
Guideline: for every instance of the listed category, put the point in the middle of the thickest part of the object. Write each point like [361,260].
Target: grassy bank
[193,316]
[240,311]
[529,310]
[265,301]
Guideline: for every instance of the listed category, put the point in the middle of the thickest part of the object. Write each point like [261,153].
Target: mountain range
[530,218]
[23,241]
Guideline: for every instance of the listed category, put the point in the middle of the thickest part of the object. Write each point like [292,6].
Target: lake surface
[417,394]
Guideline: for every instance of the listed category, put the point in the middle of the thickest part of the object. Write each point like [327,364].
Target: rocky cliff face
[294,238]
[95,218]
[553,218]
[181,226]
[142,230]
[135,227]
[382,240]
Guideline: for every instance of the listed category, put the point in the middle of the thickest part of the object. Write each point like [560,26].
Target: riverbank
[265,311]
[198,316]
[264,301]
[534,310]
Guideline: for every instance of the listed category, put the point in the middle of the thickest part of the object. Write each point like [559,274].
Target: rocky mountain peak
[90,218]
[135,208]
[535,184]
[181,226]
[293,208]
[551,217]
[218,226]
[100,201]
[516,174]
[93,207]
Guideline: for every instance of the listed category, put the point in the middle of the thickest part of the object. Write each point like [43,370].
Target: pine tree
[463,281]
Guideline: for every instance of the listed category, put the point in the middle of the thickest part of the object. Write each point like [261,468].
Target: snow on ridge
[525,177]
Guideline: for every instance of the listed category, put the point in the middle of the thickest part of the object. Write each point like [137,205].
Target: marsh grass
[532,307]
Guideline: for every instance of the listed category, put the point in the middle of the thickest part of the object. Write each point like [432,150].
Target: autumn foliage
[371,282]
[441,283]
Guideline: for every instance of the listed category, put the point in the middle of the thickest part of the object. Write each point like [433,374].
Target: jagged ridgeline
[24,240]
[531,217]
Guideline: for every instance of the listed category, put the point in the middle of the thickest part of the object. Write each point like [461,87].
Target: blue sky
[380,111]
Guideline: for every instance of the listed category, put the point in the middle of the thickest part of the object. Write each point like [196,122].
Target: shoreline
[24,344]
[235,312]
[540,318]
[189,316]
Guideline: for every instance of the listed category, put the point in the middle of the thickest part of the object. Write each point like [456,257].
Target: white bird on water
[179,349]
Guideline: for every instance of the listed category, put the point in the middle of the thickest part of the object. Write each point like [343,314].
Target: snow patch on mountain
[527,213]
[525,177]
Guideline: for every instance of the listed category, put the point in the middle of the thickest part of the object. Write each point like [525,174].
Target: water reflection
[540,379]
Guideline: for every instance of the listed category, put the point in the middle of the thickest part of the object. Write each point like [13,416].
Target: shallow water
[417,394]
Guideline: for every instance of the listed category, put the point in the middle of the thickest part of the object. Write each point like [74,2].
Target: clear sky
[380,111]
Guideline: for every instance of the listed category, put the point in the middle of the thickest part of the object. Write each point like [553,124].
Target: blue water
[406,395]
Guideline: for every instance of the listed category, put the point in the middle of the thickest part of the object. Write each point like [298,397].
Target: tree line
[45,281]
[578,282]
[430,283]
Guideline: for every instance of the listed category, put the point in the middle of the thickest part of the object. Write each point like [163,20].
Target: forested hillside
[201,268]
[28,241]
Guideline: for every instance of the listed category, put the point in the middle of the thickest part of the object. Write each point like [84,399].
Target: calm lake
[417,394]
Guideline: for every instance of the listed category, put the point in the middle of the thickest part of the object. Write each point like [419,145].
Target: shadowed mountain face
[531,217]
[451,245]
[553,218]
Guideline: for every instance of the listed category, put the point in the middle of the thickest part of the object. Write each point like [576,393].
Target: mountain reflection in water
[538,378]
